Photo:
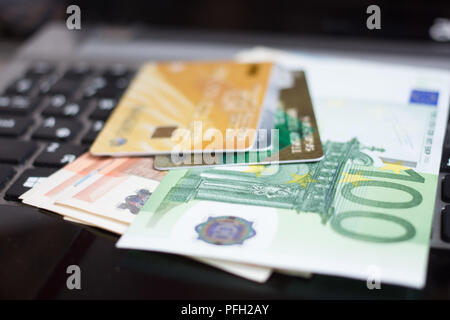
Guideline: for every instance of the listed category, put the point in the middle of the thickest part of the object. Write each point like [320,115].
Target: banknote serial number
[227,309]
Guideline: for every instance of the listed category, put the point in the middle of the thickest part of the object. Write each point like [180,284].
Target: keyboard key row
[78,71]
[22,86]
[65,86]
[102,87]
[58,155]
[28,179]
[57,129]
[51,128]
[14,126]
[111,82]
[17,104]
[59,106]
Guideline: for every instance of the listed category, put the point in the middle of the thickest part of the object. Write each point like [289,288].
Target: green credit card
[294,138]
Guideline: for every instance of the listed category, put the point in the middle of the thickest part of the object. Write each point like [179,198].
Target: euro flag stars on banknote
[368,203]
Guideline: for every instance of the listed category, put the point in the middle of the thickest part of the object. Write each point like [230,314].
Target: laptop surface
[59,90]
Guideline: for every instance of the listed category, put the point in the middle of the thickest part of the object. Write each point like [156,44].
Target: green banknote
[342,215]
[364,211]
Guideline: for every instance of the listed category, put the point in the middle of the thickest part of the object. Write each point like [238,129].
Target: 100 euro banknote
[339,216]
[368,205]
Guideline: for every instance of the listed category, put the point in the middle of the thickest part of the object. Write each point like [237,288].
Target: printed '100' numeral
[416,199]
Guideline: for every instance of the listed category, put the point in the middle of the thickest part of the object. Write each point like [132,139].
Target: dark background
[401,19]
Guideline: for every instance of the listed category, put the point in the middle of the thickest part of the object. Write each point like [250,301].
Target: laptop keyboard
[49,116]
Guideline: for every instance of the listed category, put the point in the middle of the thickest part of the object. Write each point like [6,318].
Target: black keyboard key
[6,173]
[110,92]
[445,191]
[97,83]
[94,130]
[17,104]
[58,155]
[101,87]
[58,100]
[16,151]
[445,161]
[103,108]
[69,110]
[39,69]
[21,86]
[65,86]
[78,71]
[49,82]
[57,129]
[117,71]
[58,106]
[94,86]
[120,84]
[445,224]
[26,181]
[14,126]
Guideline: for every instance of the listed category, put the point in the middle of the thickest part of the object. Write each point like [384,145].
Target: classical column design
[309,189]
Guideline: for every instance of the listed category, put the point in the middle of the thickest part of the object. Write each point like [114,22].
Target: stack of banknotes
[277,161]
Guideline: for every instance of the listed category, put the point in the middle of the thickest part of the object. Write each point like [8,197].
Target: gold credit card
[189,107]
[295,137]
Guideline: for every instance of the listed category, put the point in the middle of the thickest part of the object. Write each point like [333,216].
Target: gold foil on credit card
[173,105]
[295,139]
